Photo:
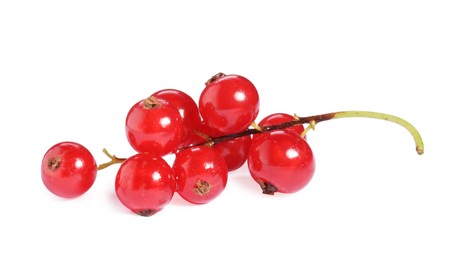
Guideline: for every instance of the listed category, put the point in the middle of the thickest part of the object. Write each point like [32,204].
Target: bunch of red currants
[209,140]
[170,121]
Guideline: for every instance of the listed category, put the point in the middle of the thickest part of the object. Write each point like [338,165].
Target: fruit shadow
[179,201]
[244,182]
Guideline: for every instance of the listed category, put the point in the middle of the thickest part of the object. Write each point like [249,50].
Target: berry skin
[279,118]
[145,184]
[68,169]
[154,126]
[234,151]
[281,161]
[229,103]
[201,174]
[188,109]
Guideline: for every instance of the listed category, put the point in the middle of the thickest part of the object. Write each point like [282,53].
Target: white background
[70,70]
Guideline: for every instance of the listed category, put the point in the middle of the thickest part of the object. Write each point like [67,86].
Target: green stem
[419,146]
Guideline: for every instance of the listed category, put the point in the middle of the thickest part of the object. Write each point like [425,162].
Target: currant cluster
[209,139]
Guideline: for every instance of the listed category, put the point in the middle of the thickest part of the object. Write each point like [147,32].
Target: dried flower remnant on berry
[146,212]
[54,163]
[202,187]
[214,78]
[267,188]
[150,103]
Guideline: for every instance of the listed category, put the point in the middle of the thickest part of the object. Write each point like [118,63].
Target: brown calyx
[54,163]
[214,78]
[146,212]
[267,188]
[202,187]
[150,102]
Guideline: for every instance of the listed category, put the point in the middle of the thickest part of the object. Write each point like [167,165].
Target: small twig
[114,160]
[311,126]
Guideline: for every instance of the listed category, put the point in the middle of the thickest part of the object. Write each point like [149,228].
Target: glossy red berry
[281,161]
[234,151]
[145,184]
[201,174]
[188,109]
[279,118]
[154,126]
[68,169]
[229,103]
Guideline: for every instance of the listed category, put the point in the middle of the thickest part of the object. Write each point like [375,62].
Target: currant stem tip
[419,146]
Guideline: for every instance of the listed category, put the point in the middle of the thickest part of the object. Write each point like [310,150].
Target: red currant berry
[234,151]
[188,109]
[68,169]
[281,161]
[279,118]
[145,184]
[201,174]
[154,126]
[229,103]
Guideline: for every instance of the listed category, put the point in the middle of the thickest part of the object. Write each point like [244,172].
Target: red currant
[279,118]
[281,161]
[188,109]
[154,126]
[234,151]
[229,103]
[145,184]
[68,169]
[201,174]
